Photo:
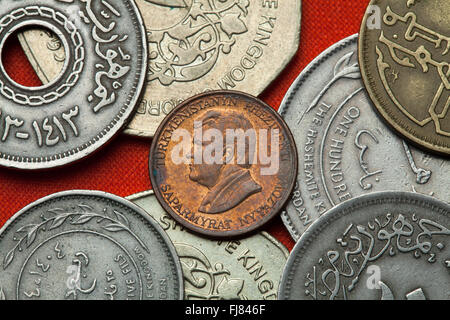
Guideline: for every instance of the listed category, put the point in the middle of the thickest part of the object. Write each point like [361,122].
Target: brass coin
[223,163]
[404,53]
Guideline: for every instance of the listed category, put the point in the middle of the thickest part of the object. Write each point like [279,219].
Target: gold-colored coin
[404,53]
[223,164]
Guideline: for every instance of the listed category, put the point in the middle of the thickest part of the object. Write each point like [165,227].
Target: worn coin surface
[93,96]
[195,46]
[345,150]
[223,163]
[87,245]
[247,269]
[404,52]
[381,246]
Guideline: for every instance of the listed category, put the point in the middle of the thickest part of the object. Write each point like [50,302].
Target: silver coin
[345,150]
[246,269]
[87,245]
[388,245]
[96,92]
[197,46]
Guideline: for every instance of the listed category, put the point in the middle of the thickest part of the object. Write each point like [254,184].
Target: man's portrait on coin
[229,182]
[223,163]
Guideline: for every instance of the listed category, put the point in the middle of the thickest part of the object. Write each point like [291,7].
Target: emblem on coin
[87,245]
[345,150]
[406,68]
[94,94]
[248,268]
[382,246]
[198,46]
[190,49]
[235,152]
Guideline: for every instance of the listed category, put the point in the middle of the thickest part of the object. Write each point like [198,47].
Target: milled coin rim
[288,99]
[341,211]
[232,233]
[381,108]
[106,134]
[113,198]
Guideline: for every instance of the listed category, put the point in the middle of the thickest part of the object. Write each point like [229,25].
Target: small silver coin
[379,246]
[345,150]
[238,269]
[87,245]
[94,95]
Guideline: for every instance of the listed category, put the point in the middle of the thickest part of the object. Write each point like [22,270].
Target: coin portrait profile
[229,183]
[405,68]
[223,163]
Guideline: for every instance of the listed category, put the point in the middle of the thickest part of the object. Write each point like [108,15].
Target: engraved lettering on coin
[406,68]
[345,150]
[248,268]
[199,46]
[404,235]
[87,245]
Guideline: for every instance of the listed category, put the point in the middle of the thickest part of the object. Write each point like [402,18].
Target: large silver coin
[87,245]
[345,150]
[96,91]
[195,46]
[247,269]
[380,246]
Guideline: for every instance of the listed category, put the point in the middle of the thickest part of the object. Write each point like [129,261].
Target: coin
[381,246]
[246,269]
[94,95]
[197,46]
[87,245]
[405,61]
[223,163]
[37,45]
[345,150]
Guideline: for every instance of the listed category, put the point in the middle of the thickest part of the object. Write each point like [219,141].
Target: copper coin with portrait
[223,163]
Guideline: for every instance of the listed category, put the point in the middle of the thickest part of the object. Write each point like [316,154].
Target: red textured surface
[122,166]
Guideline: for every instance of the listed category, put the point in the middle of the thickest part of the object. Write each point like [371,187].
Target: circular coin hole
[33,57]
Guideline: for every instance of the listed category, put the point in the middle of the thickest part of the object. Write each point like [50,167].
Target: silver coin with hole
[234,269]
[94,94]
[344,149]
[379,246]
[87,245]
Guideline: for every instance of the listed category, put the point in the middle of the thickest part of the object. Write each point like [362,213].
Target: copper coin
[223,163]
[404,53]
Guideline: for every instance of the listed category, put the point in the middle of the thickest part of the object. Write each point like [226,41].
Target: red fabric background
[121,167]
